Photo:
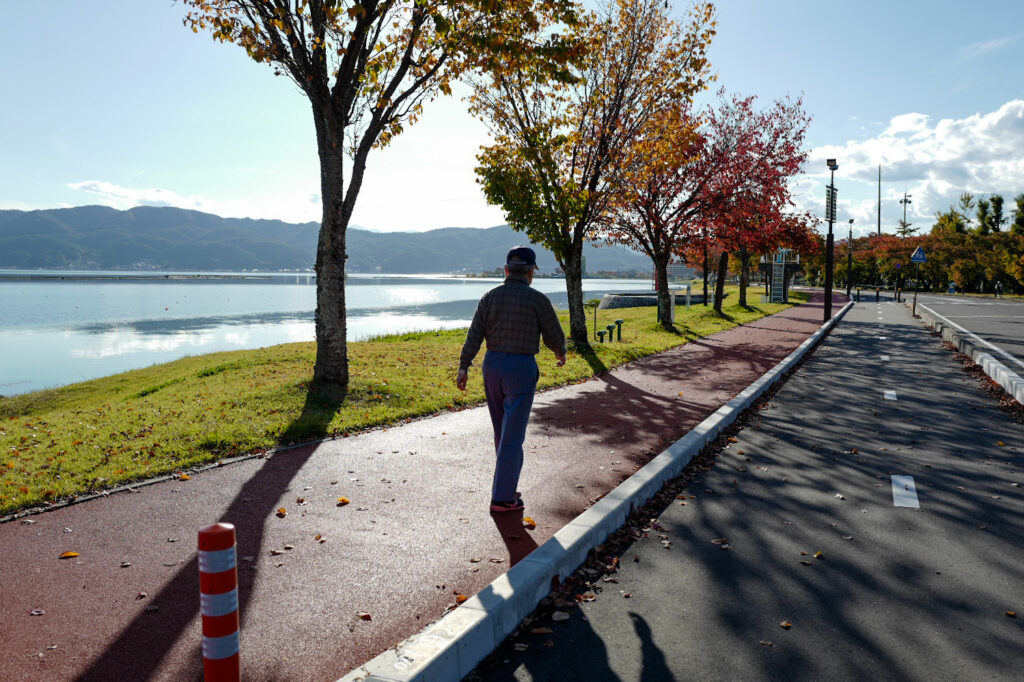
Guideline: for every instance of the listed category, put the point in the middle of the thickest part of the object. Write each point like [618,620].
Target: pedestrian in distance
[512,318]
[999,289]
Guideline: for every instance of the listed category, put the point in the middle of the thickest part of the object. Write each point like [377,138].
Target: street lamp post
[830,214]
[849,259]
[905,200]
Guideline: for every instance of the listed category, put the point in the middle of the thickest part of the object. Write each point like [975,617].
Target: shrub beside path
[415,535]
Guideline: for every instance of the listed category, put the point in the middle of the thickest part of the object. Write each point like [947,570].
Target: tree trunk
[744,274]
[707,263]
[664,303]
[331,368]
[723,269]
[573,267]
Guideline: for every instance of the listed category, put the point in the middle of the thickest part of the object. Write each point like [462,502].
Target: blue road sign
[918,256]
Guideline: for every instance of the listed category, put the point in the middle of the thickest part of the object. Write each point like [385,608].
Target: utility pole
[879,200]
[830,215]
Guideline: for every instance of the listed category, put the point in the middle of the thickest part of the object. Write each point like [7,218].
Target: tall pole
[879,200]
[829,255]
[903,226]
[849,259]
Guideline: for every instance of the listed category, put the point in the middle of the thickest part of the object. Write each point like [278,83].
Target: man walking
[512,318]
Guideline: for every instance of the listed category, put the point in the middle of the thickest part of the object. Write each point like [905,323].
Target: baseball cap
[521,255]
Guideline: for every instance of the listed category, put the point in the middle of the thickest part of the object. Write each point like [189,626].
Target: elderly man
[512,318]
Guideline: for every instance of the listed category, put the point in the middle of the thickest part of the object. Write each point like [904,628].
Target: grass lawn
[164,419]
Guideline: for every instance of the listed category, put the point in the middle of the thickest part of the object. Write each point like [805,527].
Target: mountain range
[166,238]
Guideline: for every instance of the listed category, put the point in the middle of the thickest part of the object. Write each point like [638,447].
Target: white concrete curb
[449,648]
[967,343]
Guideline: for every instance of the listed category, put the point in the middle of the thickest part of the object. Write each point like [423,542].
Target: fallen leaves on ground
[840,496]
[363,615]
[342,501]
[785,625]
[69,555]
[819,555]
[765,642]
[520,646]
[529,523]
[1011,614]
[460,598]
[281,512]
[37,612]
[184,477]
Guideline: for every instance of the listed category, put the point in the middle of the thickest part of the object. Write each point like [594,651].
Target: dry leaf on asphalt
[541,631]
[720,541]
[819,555]
[69,555]
[363,615]
[37,612]
[559,616]
[529,522]
[765,642]
[342,501]
[276,552]
[520,646]
[805,562]
[785,625]
[840,496]
[184,477]
[497,561]
[1011,614]
[281,512]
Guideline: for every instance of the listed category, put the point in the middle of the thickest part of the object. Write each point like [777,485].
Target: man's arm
[551,331]
[474,337]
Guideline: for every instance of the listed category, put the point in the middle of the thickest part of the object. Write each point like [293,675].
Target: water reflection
[34,355]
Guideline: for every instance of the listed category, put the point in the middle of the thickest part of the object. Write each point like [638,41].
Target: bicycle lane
[879,453]
[416,534]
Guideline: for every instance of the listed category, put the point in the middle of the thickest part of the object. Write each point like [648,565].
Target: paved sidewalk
[916,574]
[416,533]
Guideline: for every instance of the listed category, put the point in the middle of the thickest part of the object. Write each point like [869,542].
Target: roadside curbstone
[967,343]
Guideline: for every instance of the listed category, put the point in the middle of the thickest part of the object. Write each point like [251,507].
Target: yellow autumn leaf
[785,625]
[342,501]
[69,555]
[184,477]
[281,512]
[529,522]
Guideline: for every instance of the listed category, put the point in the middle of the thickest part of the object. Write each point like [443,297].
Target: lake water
[55,332]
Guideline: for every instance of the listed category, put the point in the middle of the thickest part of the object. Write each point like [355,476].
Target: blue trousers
[509,382]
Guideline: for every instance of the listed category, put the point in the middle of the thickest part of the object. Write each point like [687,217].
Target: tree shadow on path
[139,651]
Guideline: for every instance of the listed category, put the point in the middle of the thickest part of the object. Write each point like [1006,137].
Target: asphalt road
[1000,322]
[916,592]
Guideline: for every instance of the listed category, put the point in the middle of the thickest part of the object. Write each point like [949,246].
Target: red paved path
[418,515]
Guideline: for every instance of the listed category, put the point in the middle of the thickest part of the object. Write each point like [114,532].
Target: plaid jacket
[512,317]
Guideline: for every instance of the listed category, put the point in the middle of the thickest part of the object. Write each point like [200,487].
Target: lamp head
[832,165]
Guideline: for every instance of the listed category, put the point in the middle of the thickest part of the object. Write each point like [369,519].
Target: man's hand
[461,378]
[560,359]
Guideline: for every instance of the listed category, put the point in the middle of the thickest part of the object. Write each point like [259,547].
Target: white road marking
[976,337]
[904,492]
[885,358]
[881,338]
[889,395]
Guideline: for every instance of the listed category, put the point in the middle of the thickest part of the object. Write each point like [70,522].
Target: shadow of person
[513,533]
[653,667]
[140,648]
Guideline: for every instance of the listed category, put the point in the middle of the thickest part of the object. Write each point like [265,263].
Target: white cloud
[978,49]
[935,162]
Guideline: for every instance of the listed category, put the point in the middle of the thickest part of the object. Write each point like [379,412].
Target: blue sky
[117,103]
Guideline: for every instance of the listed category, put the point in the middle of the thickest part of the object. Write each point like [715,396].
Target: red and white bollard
[218,602]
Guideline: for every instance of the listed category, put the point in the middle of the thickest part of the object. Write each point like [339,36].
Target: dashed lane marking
[904,492]
[889,395]
[885,358]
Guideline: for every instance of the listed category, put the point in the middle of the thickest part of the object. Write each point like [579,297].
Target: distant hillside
[163,238]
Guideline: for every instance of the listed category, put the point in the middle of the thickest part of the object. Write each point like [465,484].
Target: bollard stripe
[219,626]
[216,561]
[218,583]
[218,604]
[215,648]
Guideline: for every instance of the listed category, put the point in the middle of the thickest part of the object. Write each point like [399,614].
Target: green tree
[367,67]
[984,216]
[998,218]
[1017,227]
